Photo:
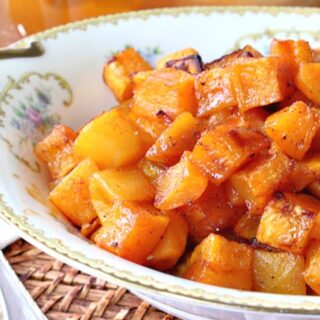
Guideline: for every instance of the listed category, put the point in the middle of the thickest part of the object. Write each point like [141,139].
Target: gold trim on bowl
[260,302]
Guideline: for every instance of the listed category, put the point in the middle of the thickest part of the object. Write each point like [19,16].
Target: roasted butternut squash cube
[214,91]
[293,129]
[234,58]
[307,81]
[312,270]
[221,116]
[233,195]
[111,140]
[247,226]
[180,184]
[56,150]
[287,222]
[151,170]
[163,62]
[71,196]
[132,231]
[180,136]
[278,272]
[169,91]
[218,261]
[257,181]
[315,232]
[172,245]
[259,82]
[224,149]
[124,184]
[118,72]
[210,213]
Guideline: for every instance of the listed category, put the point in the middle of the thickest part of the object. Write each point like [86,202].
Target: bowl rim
[265,302]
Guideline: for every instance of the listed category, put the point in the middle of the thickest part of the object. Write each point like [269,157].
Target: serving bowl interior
[65,86]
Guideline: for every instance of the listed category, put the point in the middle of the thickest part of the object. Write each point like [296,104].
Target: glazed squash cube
[210,213]
[163,62]
[214,91]
[293,129]
[233,195]
[257,181]
[234,58]
[132,231]
[315,232]
[247,226]
[111,140]
[220,116]
[180,184]
[259,82]
[56,150]
[151,170]
[172,245]
[278,272]
[167,91]
[312,270]
[307,81]
[124,184]
[180,136]
[218,261]
[224,149]
[118,72]
[287,222]
[71,196]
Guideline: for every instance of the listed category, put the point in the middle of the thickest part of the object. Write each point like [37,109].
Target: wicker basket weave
[63,292]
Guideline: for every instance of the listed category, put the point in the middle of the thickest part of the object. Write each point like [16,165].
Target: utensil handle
[35,49]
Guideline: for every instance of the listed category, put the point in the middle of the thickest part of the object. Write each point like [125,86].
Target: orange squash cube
[180,184]
[214,91]
[180,136]
[124,184]
[247,226]
[71,196]
[259,82]
[118,72]
[287,222]
[210,213]
[220,262]
[111,140]
[224,149]
[132,231]
[151,170]
[278,272]
[167,91]
[312,270]
[163,62]
[172,245]
[56,150]
[307,81]
[315,232]
[293,129]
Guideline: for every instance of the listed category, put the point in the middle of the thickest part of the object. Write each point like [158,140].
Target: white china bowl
[65,86]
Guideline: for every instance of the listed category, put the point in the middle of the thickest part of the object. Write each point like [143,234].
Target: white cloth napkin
[7,234]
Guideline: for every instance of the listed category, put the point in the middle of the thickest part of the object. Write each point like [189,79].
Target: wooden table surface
[19,18]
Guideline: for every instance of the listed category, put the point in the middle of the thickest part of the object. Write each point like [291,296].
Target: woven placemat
[63,292]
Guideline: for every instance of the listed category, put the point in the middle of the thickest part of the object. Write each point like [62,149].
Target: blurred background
[19,18]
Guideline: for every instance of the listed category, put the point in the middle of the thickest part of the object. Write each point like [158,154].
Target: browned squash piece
[257,181]
[132,231]
[180,184]
[247,226]
[278,272]
[287,222]
[233,195]
[180,136]
[315,145]
[118,72]
[314,188]
[220,116]
[162,63]
[259,82]
[214,91]
[224,149]
[124,184]
[312,270]
[296,96]
[220,262]
[255,118]
[234,57]
[111,140]
[308,81]
[151,170]
[169,91]
[210,213]
[192,64]
[71,196]
[172,245]
[56,150]
[315,232]
[293,129]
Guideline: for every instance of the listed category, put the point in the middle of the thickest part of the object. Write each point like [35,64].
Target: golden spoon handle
[35,49]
